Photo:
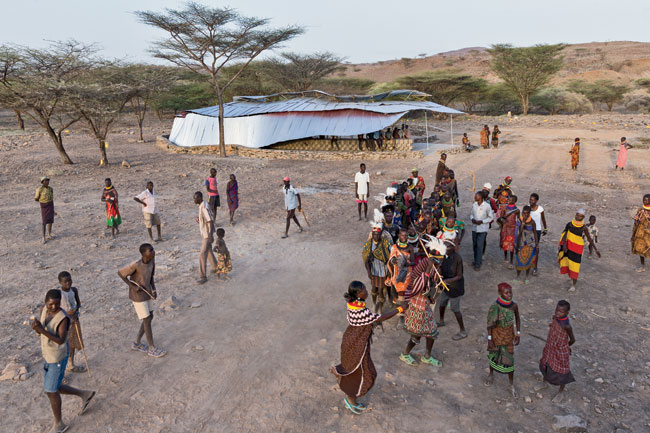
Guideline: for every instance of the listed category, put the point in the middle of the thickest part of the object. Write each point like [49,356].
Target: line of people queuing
[375,141]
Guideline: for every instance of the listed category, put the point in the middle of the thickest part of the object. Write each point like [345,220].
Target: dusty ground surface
[254,356]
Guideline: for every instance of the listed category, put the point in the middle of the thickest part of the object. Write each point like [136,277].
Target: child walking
[71,304]
[593,233]
[138,276]
[502,337]
[224,265]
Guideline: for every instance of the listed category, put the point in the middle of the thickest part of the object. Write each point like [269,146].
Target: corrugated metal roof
[304,104]
[402,93]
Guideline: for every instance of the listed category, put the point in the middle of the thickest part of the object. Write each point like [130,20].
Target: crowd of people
[412,261]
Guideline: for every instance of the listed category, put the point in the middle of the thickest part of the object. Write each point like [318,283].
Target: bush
[639,101]
[500,99]
[556,99]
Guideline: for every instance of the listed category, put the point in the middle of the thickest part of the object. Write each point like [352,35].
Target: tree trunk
[222,138]
[58,142]
[524,104]
[19,119]
[102,150]
[140,122]
[610,105]
[159,113]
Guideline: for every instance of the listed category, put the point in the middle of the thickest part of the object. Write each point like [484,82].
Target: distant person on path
[451,269]
[481,217]
[572,245]
[466,144]
[45,196]
[206,227]
[502,318]
[622,154]
[356,373]
[232,191]
[138,276]
[508,223]
[360,139]
[291,202]
[575,154]
[406,133]
[593,231]
[213,192]
[375,255]
[537,214]
[224,264]
[526,243]
[495,137]
[113,217]
[442,167]
[485,137]
[52,326]
[147,199]
[641,233]
[71,304]
[555,362]
[361,190]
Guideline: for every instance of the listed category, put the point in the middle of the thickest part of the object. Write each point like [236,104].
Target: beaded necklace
[402,245]
[577,223]
[359,304]
[646,207]
[503,302]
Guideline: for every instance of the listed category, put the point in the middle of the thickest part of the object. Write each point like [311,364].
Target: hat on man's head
[487,185]
[287,179]
[44,178]
[414,169]
[508,179]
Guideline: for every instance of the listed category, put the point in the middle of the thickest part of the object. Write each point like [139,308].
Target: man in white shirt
[481,216]
[206,227]
[147,199]
[291,201]
[362,189]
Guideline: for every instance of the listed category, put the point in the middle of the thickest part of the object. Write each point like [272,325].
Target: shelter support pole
[451,127]
[426,128]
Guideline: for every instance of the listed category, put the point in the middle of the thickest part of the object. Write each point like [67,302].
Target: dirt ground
[254,356]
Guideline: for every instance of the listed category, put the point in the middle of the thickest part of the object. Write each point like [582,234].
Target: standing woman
[575,154]
[45,196]
[113,217]
[485,137]
[527,243]
[641,233]
[622,154]
[495,136]
[572,244]
[375,255]
[356,373]
[508,223]
[232,192]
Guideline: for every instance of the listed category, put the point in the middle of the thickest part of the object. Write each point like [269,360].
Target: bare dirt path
[254,356]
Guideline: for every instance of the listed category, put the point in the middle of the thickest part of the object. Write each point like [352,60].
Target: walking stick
[302,211]
[83,349]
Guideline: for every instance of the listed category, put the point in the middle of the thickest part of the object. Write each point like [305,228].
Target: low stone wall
[345,145]
[164,143]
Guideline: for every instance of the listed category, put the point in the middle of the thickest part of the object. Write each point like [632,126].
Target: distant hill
[621,61]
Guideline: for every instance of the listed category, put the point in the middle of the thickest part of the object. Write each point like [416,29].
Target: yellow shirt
[44,194]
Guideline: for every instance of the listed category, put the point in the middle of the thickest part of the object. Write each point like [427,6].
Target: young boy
[142,291]
[224,265]
[52,326]
[213,192]
[71,304]
[593,232]
[554,364]
[147,199]
[502,336]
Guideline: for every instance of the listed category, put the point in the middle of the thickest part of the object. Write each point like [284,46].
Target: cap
[487,185]
[44,178]
[508,178]
[287,179]
[503,286]
[414,169]
[581,211]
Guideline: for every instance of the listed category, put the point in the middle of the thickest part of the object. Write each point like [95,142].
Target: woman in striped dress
[571,246]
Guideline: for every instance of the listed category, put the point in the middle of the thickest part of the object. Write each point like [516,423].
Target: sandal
[534,272]
[408,359]
[76,369]
[431,361]
[351,408]
[511,266]
[140,347]
[459,336]
[156,352]
[86,403]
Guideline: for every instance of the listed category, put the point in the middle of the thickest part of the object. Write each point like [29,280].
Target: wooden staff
[143,289]
[434,267]
[83,349]
[302,211]
[473,185]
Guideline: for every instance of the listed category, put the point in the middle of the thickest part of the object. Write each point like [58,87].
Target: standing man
[442,167]
[45,196]
[362,189]
[52,326]
[481,216]
[291,201]
[206,227]
[451,269]
[147,199]
[213,192]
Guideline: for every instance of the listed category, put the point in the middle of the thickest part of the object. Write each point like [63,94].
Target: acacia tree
[35,82]
[204,39]
[298,72]
[99,96]
[527,69]
[445,86]
[600,91]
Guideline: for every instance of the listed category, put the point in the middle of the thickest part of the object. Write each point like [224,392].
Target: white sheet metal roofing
[241,108]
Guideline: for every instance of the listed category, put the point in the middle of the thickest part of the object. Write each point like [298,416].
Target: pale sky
[360,30]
